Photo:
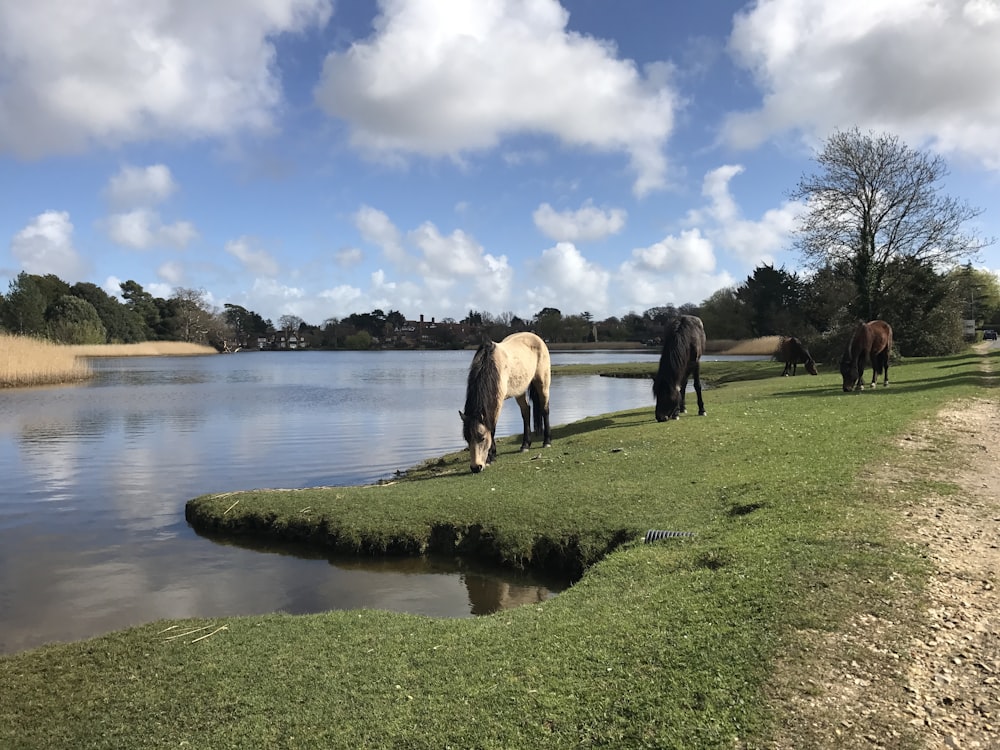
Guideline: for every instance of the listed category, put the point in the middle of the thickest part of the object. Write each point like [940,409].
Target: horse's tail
[536,406]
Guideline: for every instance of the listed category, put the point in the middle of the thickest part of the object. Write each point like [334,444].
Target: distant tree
[575,328]
[122,324]
[773,300]
[658,316]
[145,307]
[23,309]
[548,324]
[725,316]
[979,292]
[395,319]
[72,320]
[51,287]
[359,340]
[194,320]
[247,326]
[290,323]
[875,201]
[932,322]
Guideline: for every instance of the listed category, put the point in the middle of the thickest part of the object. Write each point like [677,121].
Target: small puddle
[432,585]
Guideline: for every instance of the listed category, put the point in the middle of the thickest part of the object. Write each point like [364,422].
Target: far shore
[26,362]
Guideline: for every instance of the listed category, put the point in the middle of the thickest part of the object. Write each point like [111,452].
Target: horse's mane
[678,335]
[483,386]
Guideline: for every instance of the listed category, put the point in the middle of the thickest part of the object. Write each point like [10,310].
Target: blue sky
[317,158]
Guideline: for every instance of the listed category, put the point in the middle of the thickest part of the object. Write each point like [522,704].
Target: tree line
[879,238]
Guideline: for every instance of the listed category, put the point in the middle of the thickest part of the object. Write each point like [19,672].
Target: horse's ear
[461,415]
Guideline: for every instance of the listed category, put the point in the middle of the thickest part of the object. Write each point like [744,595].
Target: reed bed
[26,362]
[764,345]
[142,349]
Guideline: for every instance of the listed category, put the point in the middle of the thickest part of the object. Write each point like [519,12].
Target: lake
[95,478]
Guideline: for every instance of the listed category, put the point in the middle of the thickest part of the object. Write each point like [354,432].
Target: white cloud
[45,246]
[446,79]
[376,227]
[567,276]
[159,289]
[588,223]
[258,262]
[686,254]
[923,69]
[136,191]
[348,257]
[108,72]
[749,241]
[140,186]
[142,229]
[113,285]
[171,272]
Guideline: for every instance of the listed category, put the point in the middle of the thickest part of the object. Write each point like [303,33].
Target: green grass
[666,645]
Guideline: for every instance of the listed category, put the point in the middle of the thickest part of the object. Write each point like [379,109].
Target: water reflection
[399,578]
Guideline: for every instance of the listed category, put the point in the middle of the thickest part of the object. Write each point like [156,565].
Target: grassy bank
[668,645]
[27,361]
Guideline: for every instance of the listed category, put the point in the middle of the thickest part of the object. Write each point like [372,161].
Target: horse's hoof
[547,445]
[525,448]
[702,413]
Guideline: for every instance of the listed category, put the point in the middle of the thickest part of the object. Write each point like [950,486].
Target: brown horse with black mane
[871,341]
[795,353]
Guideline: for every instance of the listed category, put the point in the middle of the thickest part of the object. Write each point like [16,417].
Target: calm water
[95,478]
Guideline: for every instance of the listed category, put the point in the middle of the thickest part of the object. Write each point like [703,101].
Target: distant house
[280,340]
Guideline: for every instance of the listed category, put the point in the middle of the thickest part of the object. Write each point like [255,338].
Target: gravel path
[928,678]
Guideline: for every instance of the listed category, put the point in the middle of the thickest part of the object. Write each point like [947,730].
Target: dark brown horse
[871,341]
[683,344]
[794,353]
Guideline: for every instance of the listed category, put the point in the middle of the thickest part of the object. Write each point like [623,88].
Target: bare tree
[876,200]
[193,314]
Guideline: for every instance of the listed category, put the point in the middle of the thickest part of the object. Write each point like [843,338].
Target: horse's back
[527,359]
[881,336]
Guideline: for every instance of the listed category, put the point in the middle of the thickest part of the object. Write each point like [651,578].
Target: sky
[318,158]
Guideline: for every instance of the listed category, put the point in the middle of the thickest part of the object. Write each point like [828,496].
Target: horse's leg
[885,368]
[788,366]
[696,371]
[522,401]
[546,431]
[491,454]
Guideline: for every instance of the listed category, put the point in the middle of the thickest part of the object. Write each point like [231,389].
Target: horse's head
[811,366]
[849,371]
[668,402]
[480,441]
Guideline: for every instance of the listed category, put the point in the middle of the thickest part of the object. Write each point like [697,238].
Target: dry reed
[26,361]
[142,349]
[765,345]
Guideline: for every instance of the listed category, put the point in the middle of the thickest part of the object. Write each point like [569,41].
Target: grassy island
[688,642]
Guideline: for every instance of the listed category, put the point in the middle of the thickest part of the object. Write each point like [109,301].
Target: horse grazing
[518,366]
[683,345]
[794,353]
[872,340]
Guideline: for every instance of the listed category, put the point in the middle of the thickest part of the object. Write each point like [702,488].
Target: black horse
[683,345]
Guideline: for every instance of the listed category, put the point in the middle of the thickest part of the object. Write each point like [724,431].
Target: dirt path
[930,678]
